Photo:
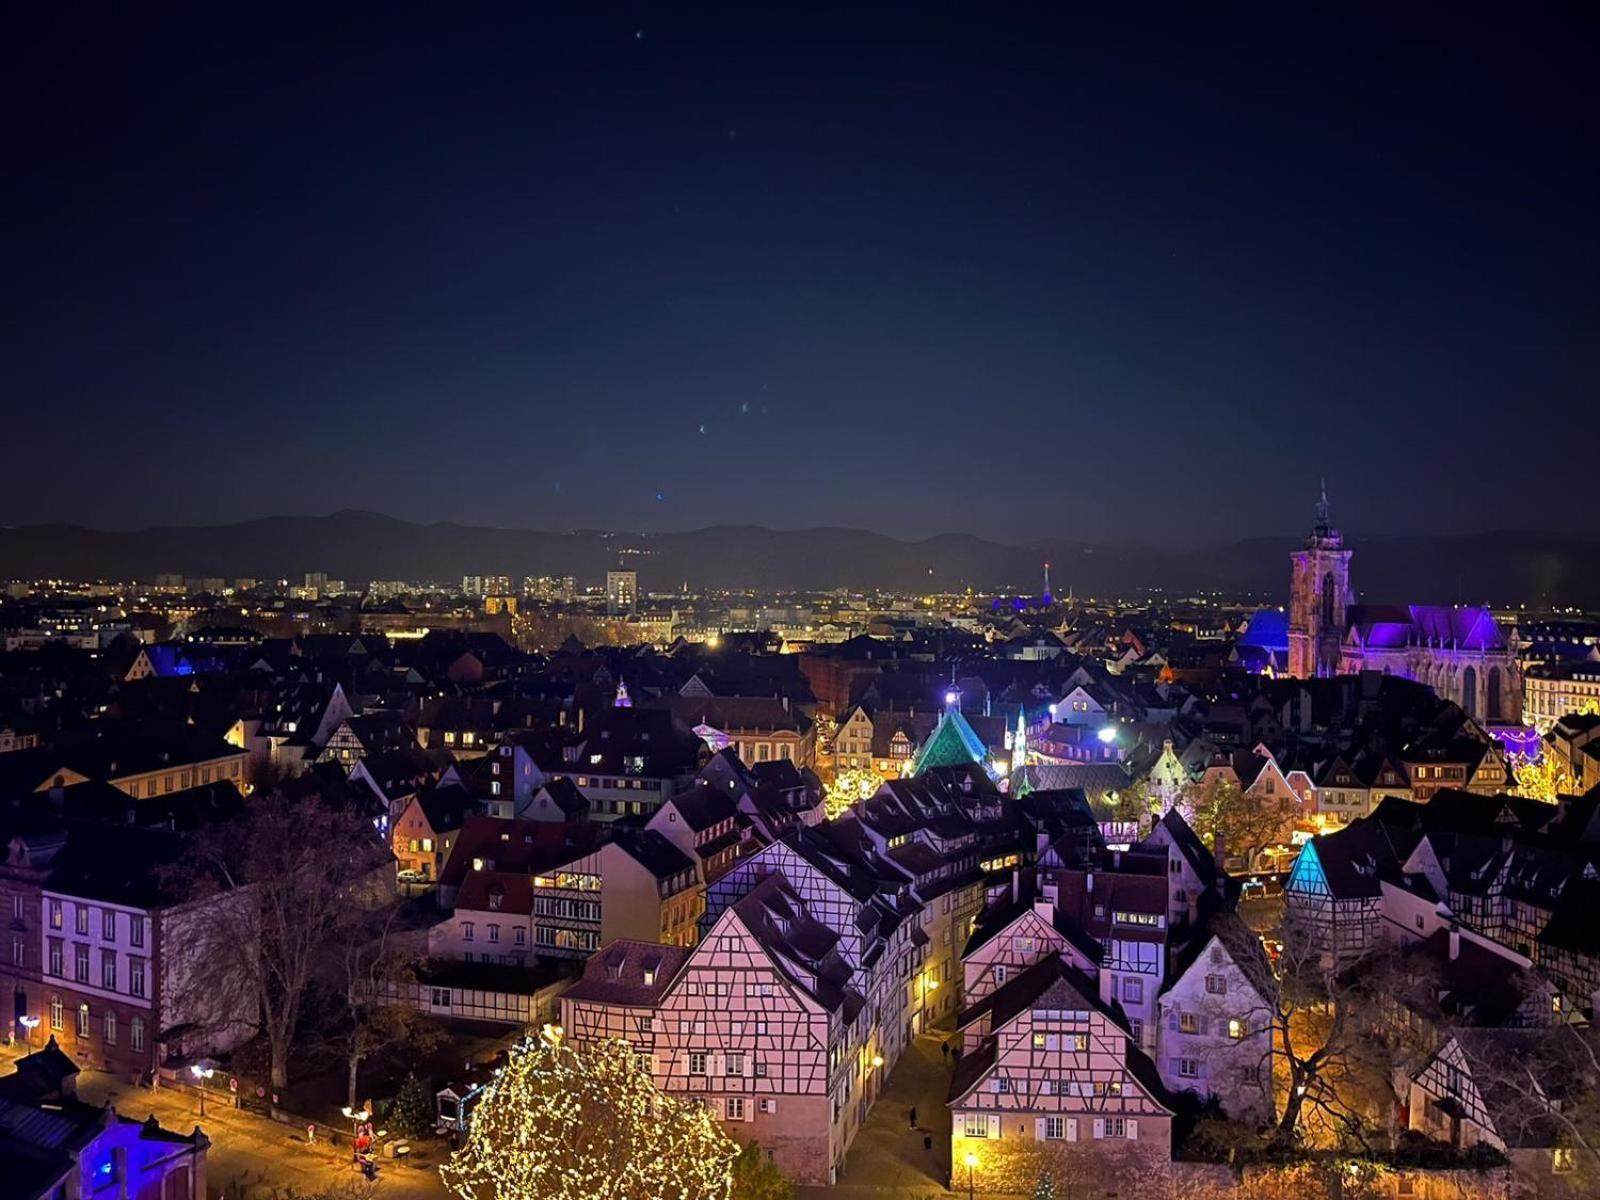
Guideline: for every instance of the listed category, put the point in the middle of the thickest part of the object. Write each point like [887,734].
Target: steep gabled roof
[952,743]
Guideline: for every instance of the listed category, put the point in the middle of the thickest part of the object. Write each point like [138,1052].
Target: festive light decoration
[588,1123]
[848,789]
[1544,778]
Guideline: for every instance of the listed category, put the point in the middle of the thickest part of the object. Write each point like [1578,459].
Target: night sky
[1007,269]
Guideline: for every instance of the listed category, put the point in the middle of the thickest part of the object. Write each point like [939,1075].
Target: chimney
[1455,943]
[1016,886]
[1044,910]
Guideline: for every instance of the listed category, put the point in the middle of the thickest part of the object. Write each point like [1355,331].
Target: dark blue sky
[1009,269]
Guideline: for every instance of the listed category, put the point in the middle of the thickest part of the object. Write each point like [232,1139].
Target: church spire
[1323,529]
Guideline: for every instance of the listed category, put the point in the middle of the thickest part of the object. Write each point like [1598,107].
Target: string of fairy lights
[564,1122]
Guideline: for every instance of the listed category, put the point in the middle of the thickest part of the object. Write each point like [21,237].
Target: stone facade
[1460,652]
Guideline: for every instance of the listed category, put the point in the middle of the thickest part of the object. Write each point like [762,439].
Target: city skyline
[736,602]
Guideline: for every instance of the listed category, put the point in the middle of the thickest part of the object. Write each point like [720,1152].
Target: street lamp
[358,1118]
[201,1074]
[30,1024]
[972,1162]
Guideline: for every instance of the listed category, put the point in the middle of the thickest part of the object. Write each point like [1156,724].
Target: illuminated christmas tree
[588,1123]
[849,788]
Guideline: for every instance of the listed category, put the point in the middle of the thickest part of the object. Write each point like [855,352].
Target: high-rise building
[486,585]
[553,589]
[622,593]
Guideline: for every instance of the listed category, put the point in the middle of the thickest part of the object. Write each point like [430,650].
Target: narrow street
[888,1159]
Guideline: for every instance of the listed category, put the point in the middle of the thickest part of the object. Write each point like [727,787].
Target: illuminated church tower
[1319,593]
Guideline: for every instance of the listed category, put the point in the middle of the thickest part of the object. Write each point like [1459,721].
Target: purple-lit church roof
[1269,629]
[1386,626]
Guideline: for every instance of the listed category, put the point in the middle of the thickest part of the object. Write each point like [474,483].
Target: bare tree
[373,966]
[1328,1060]
[1542,1088]
[272,895]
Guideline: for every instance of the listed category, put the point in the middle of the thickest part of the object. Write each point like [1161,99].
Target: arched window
[1469,692]
[1327,600]
[1491,706]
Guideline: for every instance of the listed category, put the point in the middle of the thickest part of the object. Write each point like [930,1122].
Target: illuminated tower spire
[1019,744]
[1048,598]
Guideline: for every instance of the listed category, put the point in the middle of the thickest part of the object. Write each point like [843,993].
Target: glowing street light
[358,1117]
[30,1024]
[1107,735]
[201,1074]
[972,1162]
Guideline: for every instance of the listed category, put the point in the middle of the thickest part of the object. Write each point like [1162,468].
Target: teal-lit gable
[953,743]
[1307,876]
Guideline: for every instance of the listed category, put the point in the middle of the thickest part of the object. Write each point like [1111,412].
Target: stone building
[1459,651]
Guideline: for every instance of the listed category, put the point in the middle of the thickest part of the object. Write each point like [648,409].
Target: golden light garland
[588,1123]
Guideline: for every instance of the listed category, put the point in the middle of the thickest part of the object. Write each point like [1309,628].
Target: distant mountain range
[1501,568]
